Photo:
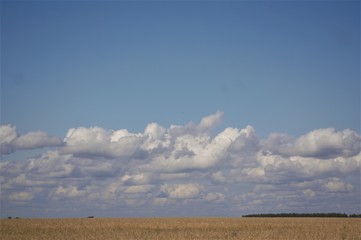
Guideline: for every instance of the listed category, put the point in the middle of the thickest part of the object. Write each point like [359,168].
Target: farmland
[181,228]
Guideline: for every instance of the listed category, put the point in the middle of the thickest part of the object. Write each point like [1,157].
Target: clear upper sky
[179,108]
[280,66]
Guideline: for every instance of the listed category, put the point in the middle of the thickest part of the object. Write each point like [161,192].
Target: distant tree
[90,216]
[9,217]
[339,215]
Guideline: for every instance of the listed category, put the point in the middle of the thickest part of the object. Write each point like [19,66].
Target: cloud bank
[180,170]
[10,141]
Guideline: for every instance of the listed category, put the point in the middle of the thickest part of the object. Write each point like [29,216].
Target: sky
[179,108]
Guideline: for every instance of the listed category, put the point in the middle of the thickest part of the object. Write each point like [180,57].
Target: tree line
[337,215]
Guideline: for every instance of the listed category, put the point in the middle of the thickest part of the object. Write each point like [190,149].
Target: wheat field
[181,228]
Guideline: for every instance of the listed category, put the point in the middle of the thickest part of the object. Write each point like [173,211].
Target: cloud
[7,137]
[25,195]
[195,152]
[10,141]
[139,189]
[209,122]
[214,197]
[98,142]
[185,167]
[51,165]
[21,196]
[37,139]
[137,178]
[309,193]
[321,143]
[218,177]
[67,192]
[206,125]
[181,191]
[336,185]
[7,134]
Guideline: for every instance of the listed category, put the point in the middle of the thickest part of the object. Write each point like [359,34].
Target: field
[181,228]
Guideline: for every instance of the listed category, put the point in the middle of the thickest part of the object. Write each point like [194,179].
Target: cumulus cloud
[51,165]
[21,196]
[67,192]
[184,166]
[321,143]
[181,191]
[138,178]
[10,141]
[98,142]
[25,195]
[7,134]
[36,140]
[209,122]
[214,197]
[336,185]
[191,152]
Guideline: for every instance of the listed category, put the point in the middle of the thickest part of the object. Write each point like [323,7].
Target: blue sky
[290,67]
[280,66]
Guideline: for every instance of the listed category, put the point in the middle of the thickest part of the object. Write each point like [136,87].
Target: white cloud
[51,165]
[155,131]
[36,140]
[21,196]
[137,178]
[7,133]
[214,197]
[320,143]
[191,152]
[25,195]
[181,191]
[10,141]
[336,185]
[285,168]
[206,125]
[209,122]
[98,142]
[68,192]
[183,166]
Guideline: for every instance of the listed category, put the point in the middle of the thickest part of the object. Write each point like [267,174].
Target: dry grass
[181,228]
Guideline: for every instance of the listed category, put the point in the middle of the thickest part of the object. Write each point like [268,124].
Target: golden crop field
[181,228]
